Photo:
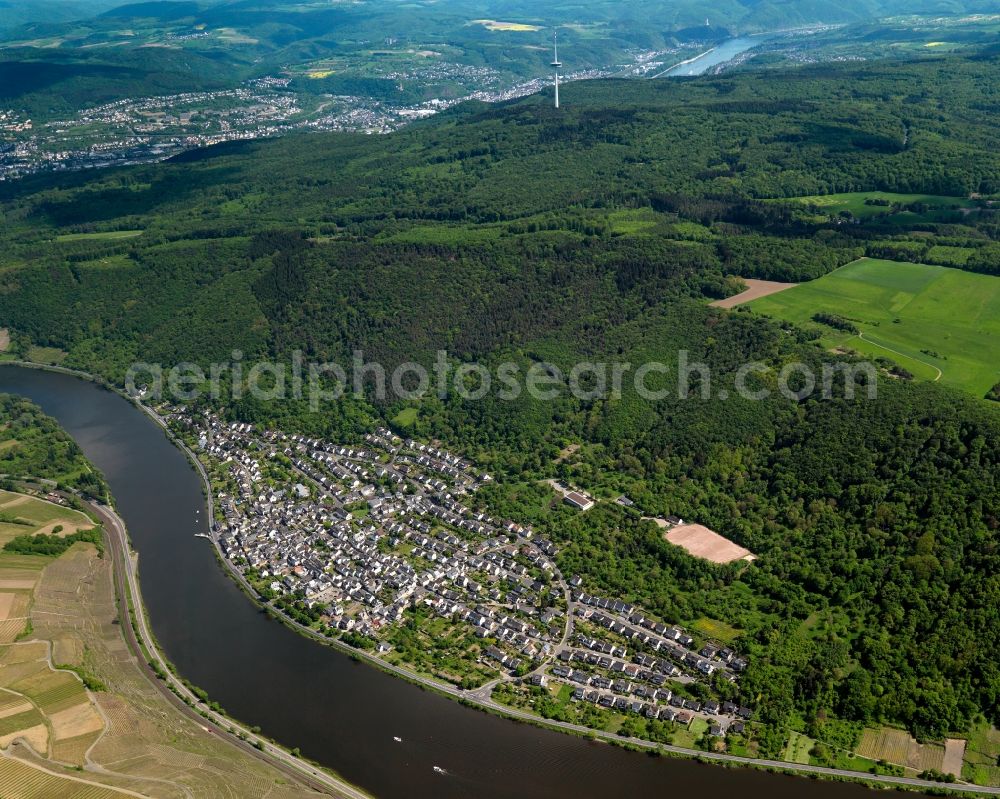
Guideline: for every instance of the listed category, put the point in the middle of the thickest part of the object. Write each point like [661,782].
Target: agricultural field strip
[861,335]
[56,690]
[901,308]
[20,776]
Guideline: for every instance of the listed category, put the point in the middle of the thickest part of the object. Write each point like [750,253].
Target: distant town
[382,546]
[149,129]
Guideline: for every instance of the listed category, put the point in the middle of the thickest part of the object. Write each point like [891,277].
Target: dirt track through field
[11,503]
[755,290]
[861,336]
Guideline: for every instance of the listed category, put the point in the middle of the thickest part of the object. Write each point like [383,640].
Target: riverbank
[124,730]
[683,63]
[160,672]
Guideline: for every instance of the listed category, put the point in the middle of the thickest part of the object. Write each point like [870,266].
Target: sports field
[701,542]
[936,322]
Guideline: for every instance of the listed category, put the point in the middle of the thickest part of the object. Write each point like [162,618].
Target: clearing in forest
[754,291]
[701,542]
[938,323]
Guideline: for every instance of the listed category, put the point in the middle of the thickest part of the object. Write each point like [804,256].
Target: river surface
[724,52]
[339,712]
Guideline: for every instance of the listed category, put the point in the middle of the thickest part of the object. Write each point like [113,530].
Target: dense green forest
[600,231]
[46,85]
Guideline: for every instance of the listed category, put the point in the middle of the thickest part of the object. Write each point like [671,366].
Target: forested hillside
[600,231]
[14,13]
[42,84]
[273,30]
[609,201]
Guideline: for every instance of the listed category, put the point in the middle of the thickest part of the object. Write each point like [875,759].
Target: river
[339,712]
[726,51]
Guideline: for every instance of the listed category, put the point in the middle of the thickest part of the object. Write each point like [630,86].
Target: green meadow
[107,235]
[936,322]
[856,201]
[406,418]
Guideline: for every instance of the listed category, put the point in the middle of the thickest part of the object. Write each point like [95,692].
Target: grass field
[50,355]
[633,221]
[856,203]
[798,748]
[24,515]
[406,417]
[716,630]
[982,756]
[688,736]
[449,235]
[110,235]
[938,323]
[111,262]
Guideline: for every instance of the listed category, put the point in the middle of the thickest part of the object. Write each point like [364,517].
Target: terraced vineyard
[18,576]
[74,608]
[20,781]
[70,603]
[52,691]
[896,746]
[24,720]
[48,708]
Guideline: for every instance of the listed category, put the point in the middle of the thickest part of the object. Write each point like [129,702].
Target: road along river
[339,712]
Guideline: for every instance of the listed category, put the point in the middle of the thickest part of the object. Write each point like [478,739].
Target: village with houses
[381,546]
